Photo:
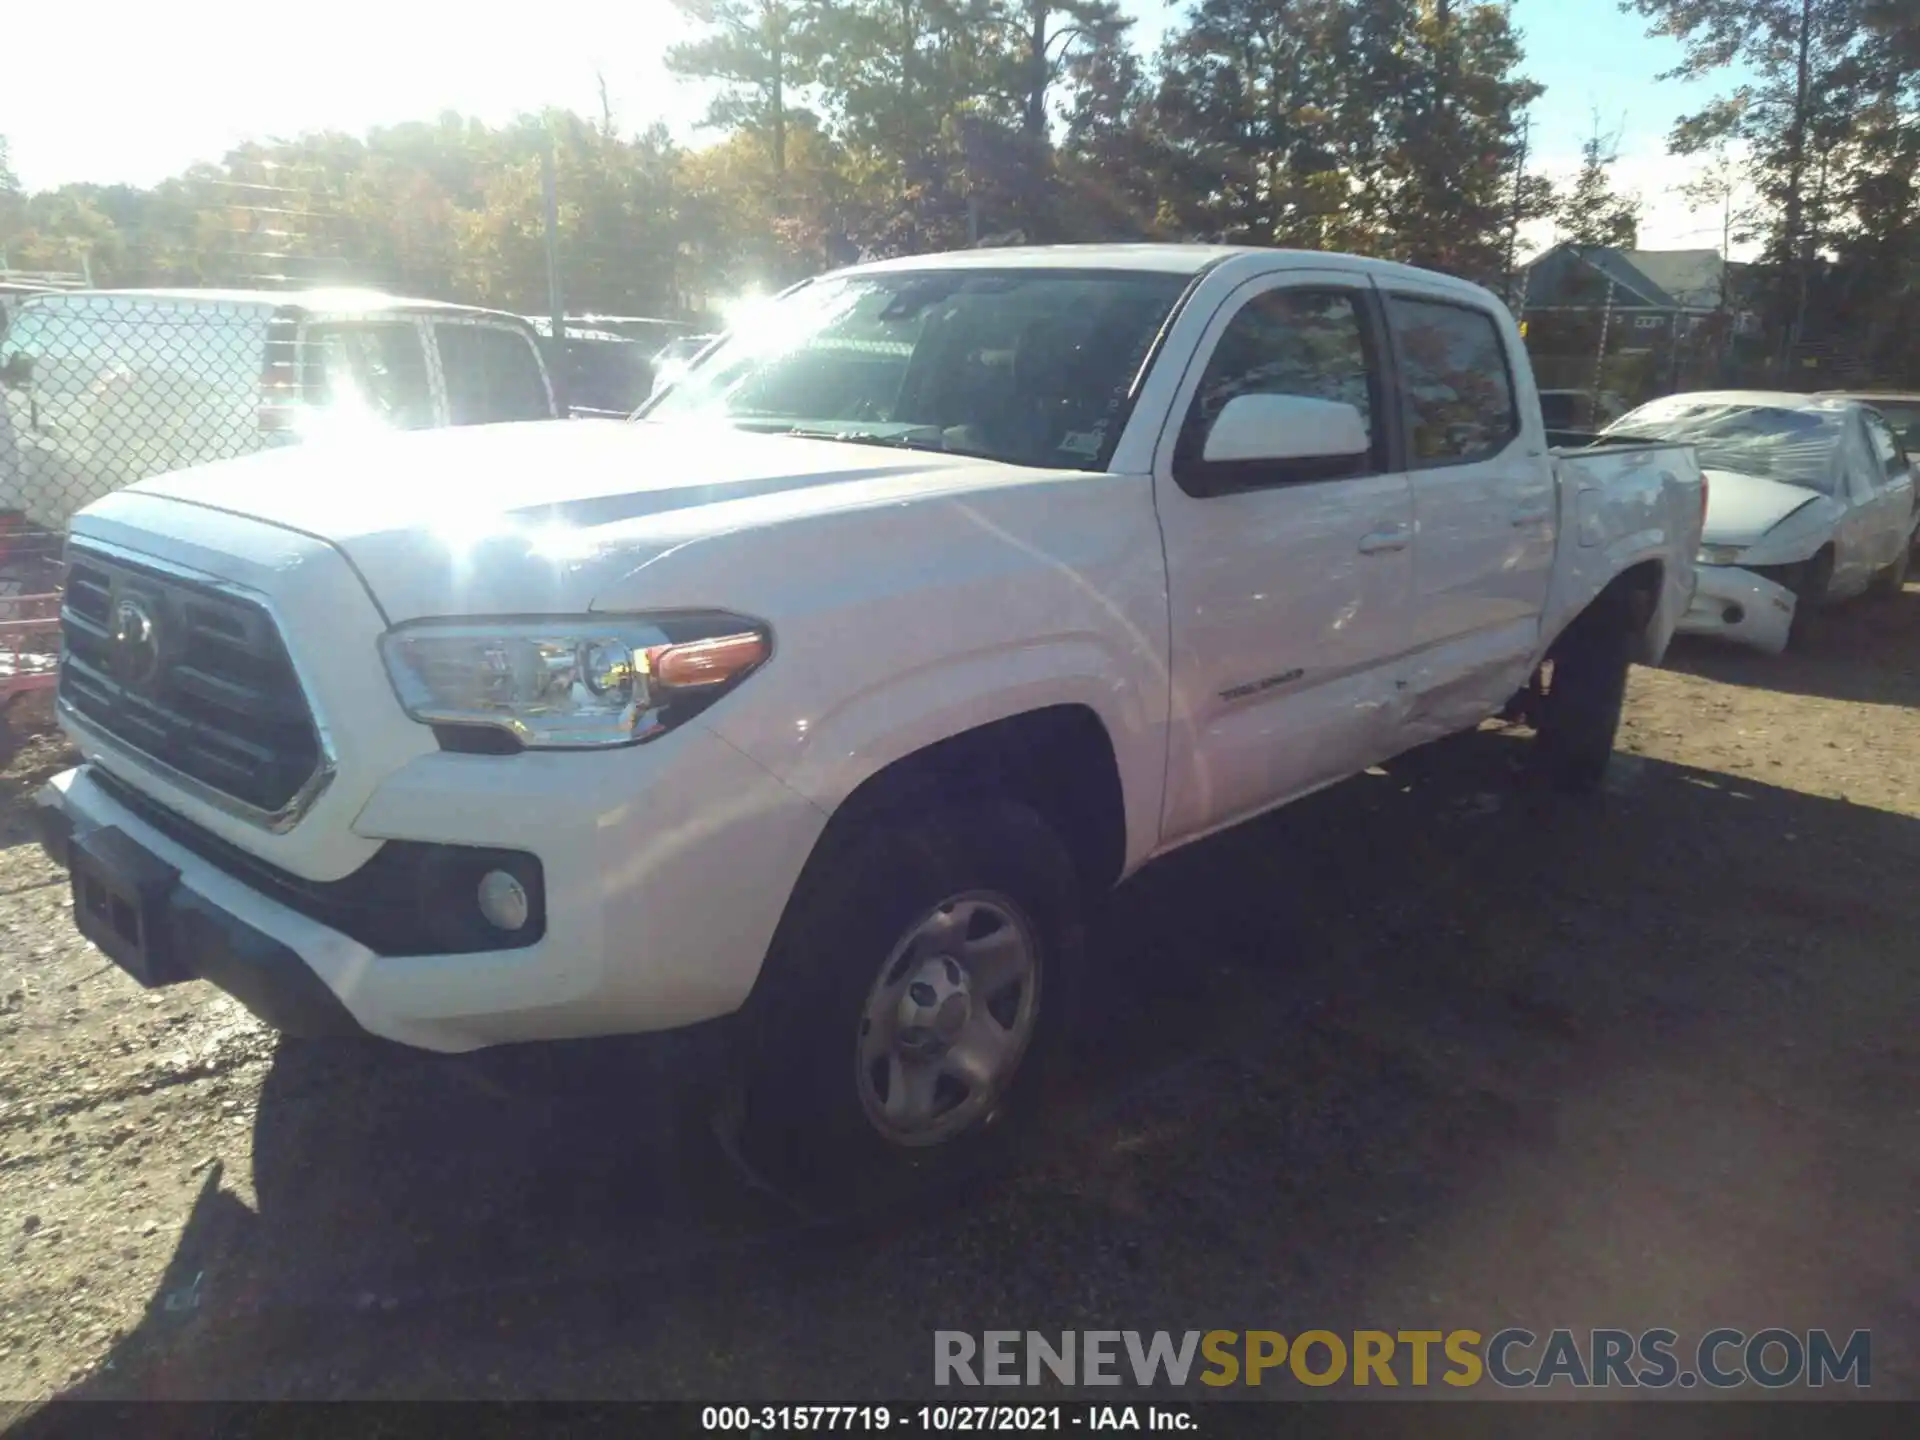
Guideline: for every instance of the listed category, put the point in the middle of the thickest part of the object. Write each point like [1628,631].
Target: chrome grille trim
[224,614]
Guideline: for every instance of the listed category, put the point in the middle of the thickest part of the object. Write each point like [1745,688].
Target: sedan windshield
[1028,367]
[1777,442]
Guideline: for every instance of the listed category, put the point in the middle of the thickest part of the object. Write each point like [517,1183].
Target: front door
[1289,589]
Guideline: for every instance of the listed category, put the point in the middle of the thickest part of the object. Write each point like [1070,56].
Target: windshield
[1777,442]
[1026,367]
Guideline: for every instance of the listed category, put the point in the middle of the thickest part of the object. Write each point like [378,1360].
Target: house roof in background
[1691,277]
[1623,272]
[1659,279]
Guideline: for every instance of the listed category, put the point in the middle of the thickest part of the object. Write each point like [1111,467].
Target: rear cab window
[492,373]
[370,369]
[1458,383]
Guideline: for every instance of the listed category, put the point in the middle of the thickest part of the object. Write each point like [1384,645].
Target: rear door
[492,373]
[1288,586]
[1484,505]
[1893,471]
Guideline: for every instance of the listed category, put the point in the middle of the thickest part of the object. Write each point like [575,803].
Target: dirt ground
[1429,1049]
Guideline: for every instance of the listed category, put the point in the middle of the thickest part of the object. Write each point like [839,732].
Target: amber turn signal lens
[702,663]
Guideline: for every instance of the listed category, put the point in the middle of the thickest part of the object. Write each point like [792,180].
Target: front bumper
[666,868]
[1740,607]
[181,935]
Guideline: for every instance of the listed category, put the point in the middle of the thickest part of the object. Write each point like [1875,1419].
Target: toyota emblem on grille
[136,642]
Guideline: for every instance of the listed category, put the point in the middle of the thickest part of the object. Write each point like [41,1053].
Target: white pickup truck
[828,694]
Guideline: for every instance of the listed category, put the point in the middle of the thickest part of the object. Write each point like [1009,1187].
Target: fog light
[1733,614]
[503,900]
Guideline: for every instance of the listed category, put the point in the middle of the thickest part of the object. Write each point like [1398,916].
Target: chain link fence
[100,389]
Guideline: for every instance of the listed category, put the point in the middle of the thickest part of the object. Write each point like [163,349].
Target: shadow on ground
[1860,651]
[1431,1048]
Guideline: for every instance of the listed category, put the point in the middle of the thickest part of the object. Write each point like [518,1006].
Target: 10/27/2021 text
[944,1419]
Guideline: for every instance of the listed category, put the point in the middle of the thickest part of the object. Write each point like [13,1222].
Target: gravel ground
[1428,1049]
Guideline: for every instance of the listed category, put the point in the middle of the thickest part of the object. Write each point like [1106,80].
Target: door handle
[1380,542]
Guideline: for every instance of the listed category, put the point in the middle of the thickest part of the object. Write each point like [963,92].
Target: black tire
[1810,597]
[805,1124]
[1888,583]
[1578,715]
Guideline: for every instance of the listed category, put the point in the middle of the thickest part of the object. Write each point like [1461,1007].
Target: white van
[106,387]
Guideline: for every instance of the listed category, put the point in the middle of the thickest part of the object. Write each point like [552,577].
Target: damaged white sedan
[1811,500]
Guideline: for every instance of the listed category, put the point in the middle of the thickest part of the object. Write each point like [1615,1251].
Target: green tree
[758,53]
[1592,212]
[1247,95]
[1795,117]
[1115,167]
[12,201]
[1388,126]
[1454,131]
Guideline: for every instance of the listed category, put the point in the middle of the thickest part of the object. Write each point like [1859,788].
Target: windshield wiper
[928,439]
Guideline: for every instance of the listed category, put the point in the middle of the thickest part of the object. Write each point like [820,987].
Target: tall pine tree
[1592,212]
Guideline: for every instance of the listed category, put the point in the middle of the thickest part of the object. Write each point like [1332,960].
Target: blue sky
[274,70]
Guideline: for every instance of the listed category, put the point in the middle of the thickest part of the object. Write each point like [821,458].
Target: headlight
[578,683]
[1720,554]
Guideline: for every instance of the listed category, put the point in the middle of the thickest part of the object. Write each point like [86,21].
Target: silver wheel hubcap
[948,1020]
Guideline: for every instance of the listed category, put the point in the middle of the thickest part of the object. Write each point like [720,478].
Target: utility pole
[1519,201]
[1600,355]
[556,305]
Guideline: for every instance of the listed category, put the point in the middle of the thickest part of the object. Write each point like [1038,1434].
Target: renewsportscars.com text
[1512,1358]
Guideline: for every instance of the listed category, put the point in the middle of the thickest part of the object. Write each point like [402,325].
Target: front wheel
[1888,583]
[918,984]
[1810,595]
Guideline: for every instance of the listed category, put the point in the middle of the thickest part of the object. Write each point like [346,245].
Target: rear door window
[492,374]
[1905,423]
[1890,461]
[371,369]
[1453,372]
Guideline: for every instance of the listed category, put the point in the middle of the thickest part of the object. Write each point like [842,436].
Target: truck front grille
[189,675]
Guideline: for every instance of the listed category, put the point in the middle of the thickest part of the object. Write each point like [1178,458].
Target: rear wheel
[917,986]
[1578,699]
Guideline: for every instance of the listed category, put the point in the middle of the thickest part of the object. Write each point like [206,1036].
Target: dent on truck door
[1484,505]
[1288,579]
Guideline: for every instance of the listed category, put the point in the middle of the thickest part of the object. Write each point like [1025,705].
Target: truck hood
[546,516]
[1741,508]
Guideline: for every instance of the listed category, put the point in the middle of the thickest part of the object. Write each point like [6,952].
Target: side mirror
[17,373]
[1308,438]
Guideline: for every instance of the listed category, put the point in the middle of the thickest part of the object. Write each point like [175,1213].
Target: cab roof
[1168,259]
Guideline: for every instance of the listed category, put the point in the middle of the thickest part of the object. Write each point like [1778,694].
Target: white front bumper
[1740,607]
[666,869]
